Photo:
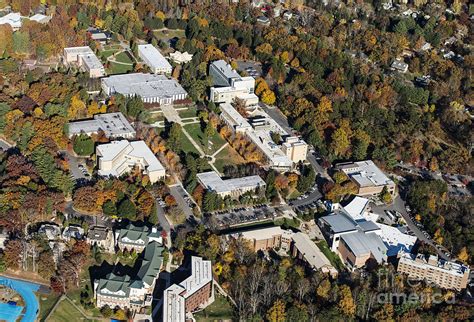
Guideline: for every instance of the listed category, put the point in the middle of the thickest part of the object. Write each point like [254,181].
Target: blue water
[26,291]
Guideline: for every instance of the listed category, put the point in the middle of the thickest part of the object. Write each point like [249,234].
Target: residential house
[101,237]
[73,231]
[137,237]
[135,292]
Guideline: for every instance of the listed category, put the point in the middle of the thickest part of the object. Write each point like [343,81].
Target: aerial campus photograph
[236,160]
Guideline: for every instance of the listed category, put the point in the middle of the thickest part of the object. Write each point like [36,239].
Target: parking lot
[238,216]
[252,68]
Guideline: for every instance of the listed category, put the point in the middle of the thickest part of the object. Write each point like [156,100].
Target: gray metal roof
[339,223]
[361,244]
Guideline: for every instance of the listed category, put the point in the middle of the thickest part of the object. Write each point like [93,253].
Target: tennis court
[26,291]
[9,313]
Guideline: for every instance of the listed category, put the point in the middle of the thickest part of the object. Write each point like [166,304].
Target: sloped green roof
[151,263]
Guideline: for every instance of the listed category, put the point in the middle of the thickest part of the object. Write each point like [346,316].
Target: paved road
[92,220]
[277,116]
[164,223]
[399,205]
[73,165]
[4,145]
[312,197]
[178,192]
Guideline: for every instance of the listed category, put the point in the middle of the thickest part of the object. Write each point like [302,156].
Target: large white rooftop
[143,85]
[225,70]
[136,149]
[357,208]
[365,173]
[212,181]
[113,125]
[13,19]
[154,58]
[395,240]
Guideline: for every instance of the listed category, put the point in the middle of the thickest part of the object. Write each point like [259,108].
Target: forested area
[281,290]
[348,108]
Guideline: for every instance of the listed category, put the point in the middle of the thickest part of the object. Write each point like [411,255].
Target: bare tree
[254,281]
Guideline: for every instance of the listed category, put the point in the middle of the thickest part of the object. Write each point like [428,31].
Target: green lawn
[118,68]
[333,258]
[187,146]
[221,309]
[214,142]
[46,303]
[65,311]
[124,57]
[166,34]
[226,157]
[189,112]
[107,53]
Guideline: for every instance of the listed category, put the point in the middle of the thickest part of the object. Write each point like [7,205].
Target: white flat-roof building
[369,179]
[85,58]
[259,132]
[234,119]
[154,59]
[181,58]
[396,241]
[195,292]
[119,157]
[13,19]
[39,18]
[295,148]
[230,187]
[114,125]
[150,87]
[229,85]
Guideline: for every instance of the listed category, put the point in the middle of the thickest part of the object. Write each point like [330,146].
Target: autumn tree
[277,312]
[346,302]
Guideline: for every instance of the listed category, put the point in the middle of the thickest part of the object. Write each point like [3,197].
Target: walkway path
[172,115]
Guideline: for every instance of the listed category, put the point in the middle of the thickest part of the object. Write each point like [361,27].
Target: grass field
[189,112]
[119,68]
[166,34]
[227,157]
[187,146]
[214,142]
[333,258]
[124,57]
[107,53]
[46,304]
[221,309]
[65,311]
